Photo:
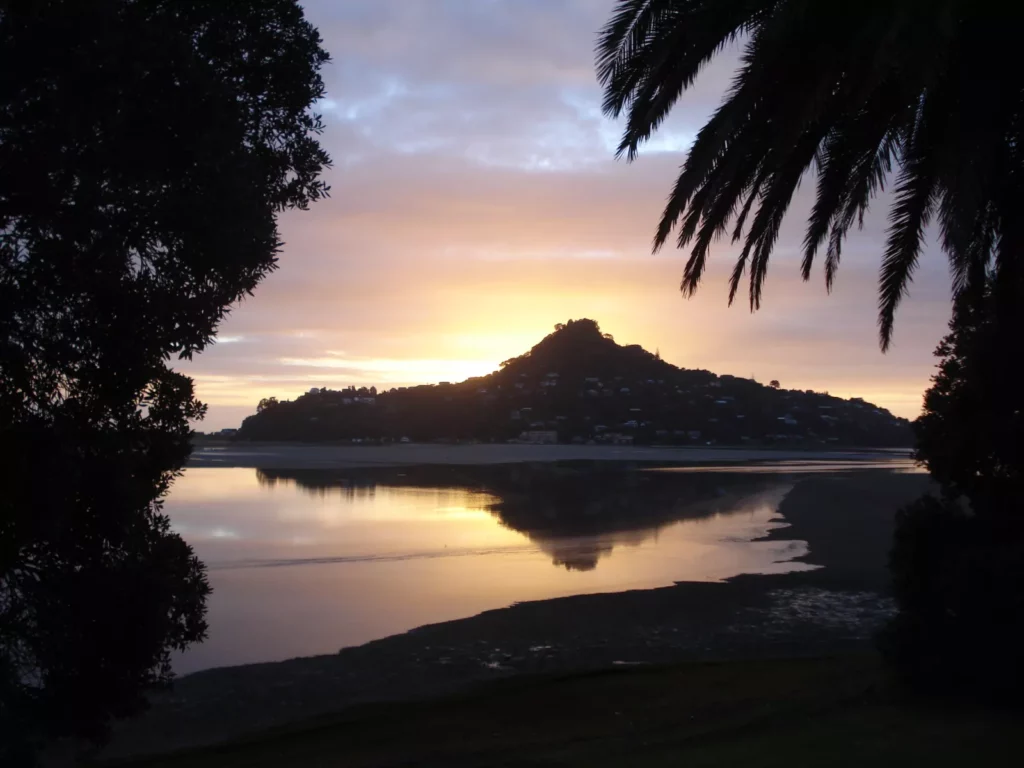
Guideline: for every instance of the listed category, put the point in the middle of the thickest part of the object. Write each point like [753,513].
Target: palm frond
[851,90]
[764,231]
[910,215]
[620,43]
[649,53]
[752,195]
[867,178]
[854,161]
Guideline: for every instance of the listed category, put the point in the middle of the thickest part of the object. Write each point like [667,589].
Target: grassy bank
[833,711]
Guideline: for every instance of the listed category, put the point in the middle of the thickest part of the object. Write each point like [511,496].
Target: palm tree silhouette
[927,90]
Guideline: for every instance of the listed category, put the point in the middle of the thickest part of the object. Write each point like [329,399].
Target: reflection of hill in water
[577,513]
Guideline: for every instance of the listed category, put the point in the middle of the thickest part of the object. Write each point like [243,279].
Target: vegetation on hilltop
[582,386]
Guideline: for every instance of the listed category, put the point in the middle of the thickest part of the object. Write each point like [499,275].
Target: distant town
[579,386]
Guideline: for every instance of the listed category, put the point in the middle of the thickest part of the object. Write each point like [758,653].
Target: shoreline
[834,608]
[324,456]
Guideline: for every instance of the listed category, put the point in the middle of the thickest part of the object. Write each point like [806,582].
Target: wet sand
[847,521]
[320,456]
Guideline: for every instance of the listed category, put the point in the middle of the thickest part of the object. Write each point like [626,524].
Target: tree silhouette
[958,561]
[774,384]
[146,149]
[265,403]
[971,432]
[930,91]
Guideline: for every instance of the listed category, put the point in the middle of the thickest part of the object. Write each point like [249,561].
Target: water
[308,561]
[805,467]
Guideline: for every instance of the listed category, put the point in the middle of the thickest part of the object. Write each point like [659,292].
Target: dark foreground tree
[958,560]
[971,433]
[146,147]
[857,91]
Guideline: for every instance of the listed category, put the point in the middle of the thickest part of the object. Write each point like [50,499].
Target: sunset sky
[476,201]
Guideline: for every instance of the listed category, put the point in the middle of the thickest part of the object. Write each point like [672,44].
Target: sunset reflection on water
[306,563]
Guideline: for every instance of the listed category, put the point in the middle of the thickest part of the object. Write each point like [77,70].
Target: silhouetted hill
[579,349]
[578,385]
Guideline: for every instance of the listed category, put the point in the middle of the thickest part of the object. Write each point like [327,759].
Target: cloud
[476,201]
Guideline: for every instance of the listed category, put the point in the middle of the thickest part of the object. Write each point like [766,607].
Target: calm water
[306,562]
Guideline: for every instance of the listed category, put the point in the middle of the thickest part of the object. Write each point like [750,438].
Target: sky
[476,201]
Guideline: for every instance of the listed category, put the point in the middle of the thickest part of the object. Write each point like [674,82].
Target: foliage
[266,402]
[971,433]
[958,561]
[931,89]
[959,581]
[147,147]
[774,384]
[97,590]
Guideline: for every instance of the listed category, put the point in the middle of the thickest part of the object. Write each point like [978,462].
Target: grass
[833,711]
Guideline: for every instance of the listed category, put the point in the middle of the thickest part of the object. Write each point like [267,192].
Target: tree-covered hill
[579,385]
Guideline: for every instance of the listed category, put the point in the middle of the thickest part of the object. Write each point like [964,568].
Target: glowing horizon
[476,202]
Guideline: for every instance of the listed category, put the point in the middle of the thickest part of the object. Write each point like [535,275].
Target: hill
[579,385]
